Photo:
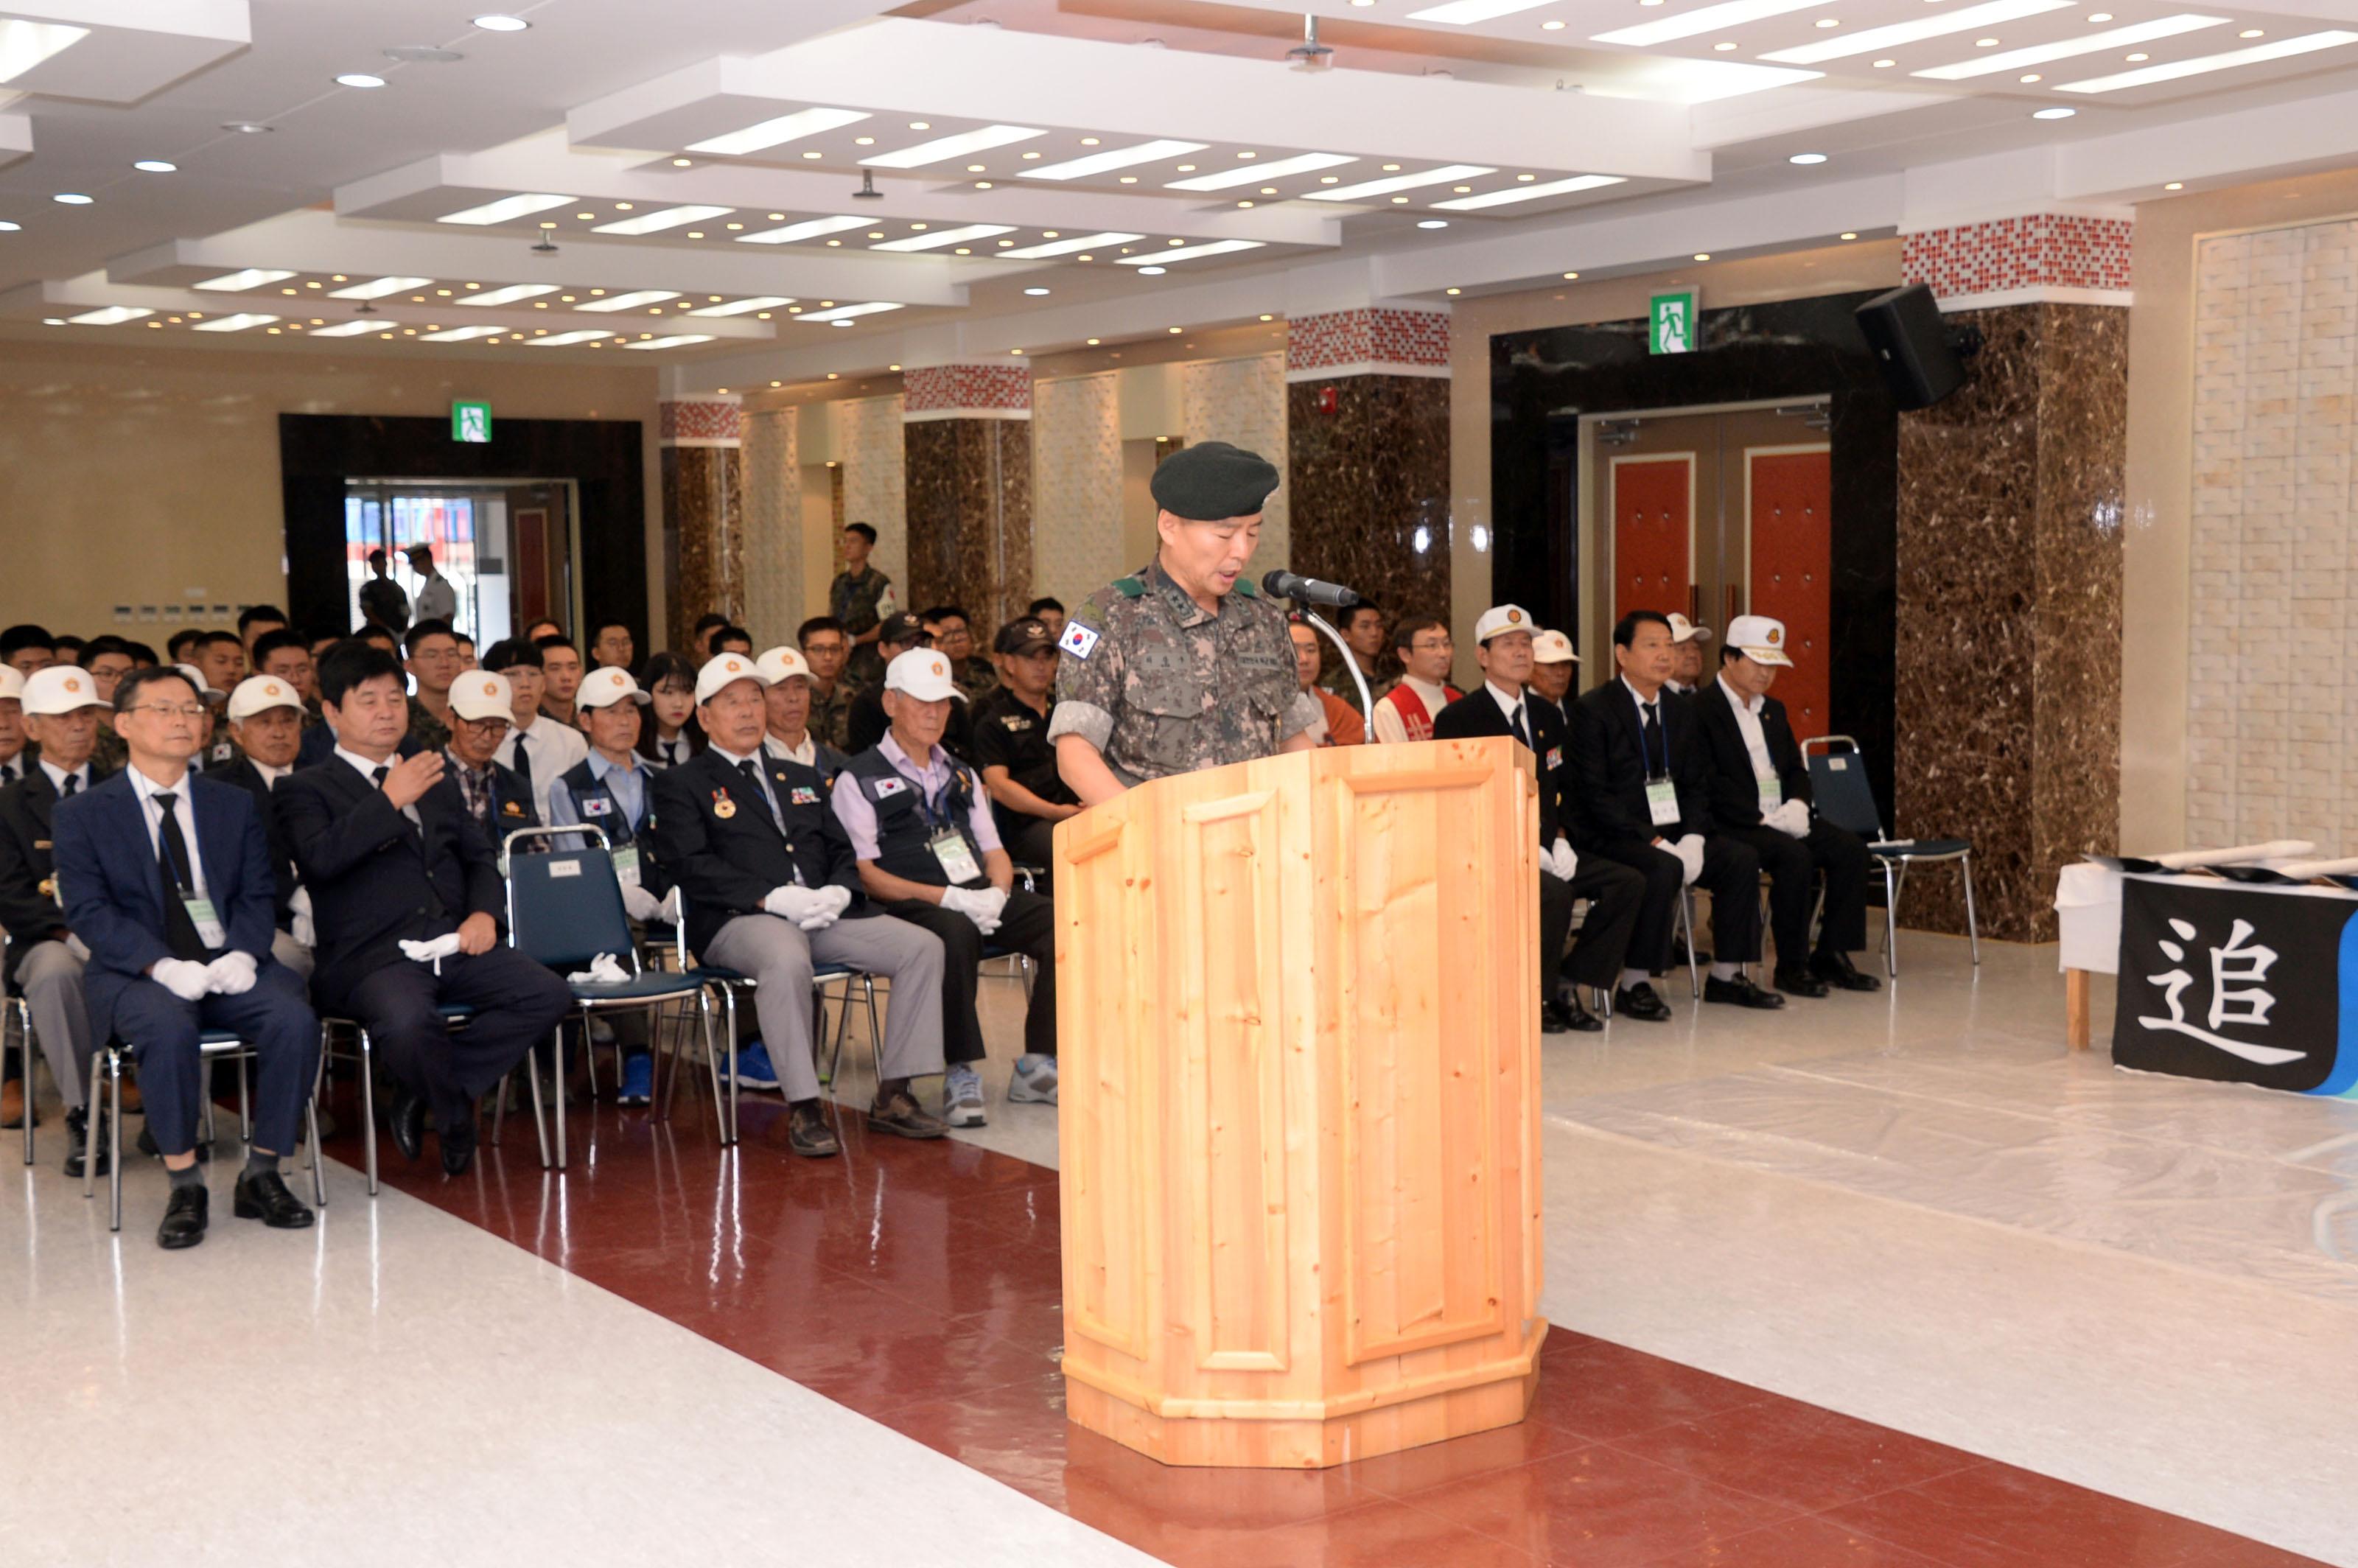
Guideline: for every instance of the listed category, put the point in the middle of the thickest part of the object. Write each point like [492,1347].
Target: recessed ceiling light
[863,141]
[238,323]
[745,307]
[808,229]
[1465,13]
[499,22]
[510,207]
[352,329]
[1432,223]
[7,228]
[976,169]
[1884,64]
[1034,154]
[633,300]
[72,199]
[1190,253]
[777,132]
[680,342]
[2175,185]
[2171,71]
[2133,58]
[943,148]
[1984,43]
[109,316]
[921,125]
[1447,175]
[1249,154]
[155,166]
[2052,113]
[1570,275]
[939,237]
[1113,159]
[682,162]
[2100,16]
[511,294]
[248,278]
[459,334]
[1807,158]
[1724,47]
[1710,18]
[1848,235]
[2252,33]
[1304,162]
[377,289]
[982,185]
[359,79]
[1874,38]
[1066,247]
[661,219]
[1702,255]
[1828,22]
[2030,77]
[843,313]
[1520,193]
[1453,291]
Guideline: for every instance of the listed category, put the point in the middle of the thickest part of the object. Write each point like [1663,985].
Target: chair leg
[875,1029]
[319,1172]
[22,1012]
[1686,929]
[704,1024]
[539,1127]
[557,1084]
[500,1106]
[368,1104]
[733,1066]
[95,1105]
[114,1151]
[1890,923]
[1973,928]
[818,1029]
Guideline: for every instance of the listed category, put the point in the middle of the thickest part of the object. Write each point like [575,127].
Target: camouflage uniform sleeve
[1089,686]
[1300,714]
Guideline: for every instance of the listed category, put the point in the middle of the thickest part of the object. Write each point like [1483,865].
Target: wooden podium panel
[1298,1027]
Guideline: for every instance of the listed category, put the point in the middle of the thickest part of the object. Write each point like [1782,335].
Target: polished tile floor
[855,1360]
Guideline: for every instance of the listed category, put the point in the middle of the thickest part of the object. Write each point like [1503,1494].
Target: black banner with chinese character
[2234,983]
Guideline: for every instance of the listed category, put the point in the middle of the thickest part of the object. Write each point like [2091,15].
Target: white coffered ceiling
[696,181]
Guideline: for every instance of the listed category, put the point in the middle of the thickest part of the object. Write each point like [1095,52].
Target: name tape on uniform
[1078,640]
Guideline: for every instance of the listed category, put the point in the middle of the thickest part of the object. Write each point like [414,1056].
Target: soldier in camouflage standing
[861,597]
[1183,666]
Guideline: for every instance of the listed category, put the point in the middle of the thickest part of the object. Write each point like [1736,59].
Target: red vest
[1413,717]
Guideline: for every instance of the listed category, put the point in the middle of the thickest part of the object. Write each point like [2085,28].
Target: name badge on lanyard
[957,860]
[626,865]
[1662,801]
[1772,792]
[202,915]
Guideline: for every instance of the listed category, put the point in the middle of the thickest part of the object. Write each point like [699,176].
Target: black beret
[1021,635]
[1213,480]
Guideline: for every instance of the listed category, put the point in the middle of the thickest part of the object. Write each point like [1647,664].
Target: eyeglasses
[171,709]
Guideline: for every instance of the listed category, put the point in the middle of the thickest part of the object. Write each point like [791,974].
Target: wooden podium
[1299,1023]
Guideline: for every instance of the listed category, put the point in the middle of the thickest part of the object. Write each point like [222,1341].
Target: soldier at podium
[1183,666]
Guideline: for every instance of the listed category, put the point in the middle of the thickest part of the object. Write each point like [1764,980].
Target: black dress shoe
[407,1125]
[78,1152]
[1681,958]
[184,1217]
[808,1135]
[1550,1021]
[264,1198]
[1640,1001]
[1837,971]
[458,1141]
[1741,991]
[1570,1014]
[148,1147]
[1798,980]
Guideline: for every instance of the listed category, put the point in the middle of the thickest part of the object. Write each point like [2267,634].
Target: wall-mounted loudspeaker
[1922,357]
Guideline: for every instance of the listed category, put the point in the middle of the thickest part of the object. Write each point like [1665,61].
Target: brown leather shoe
[807,1133]
[896,1111]
[132,1104]
[12,1103]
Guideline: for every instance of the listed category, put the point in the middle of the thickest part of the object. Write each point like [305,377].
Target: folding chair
[365,1057]
[17,1017]
[1844,799]
[106,1096]
[565,908]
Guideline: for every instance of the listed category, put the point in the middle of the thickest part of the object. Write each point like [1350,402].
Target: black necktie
[74,783]
[1522,733]
[179,882]
[378,775]
[752,772]
[1654,741]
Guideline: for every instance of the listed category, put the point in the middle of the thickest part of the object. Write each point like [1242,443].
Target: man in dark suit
[265,721]
[1761,795]
[1639,770]
[769,888]
[62,710]
[398,874]
[1503,646]
[168,880]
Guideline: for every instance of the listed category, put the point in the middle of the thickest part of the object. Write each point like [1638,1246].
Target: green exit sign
[471,421]
[1670,323]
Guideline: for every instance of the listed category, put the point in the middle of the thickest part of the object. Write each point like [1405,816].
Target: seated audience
[1553,664]
[265,720]
[437,598]
[1687,673]
[533,630]
[45,962]
[611,647]
[499,800]
[1049,612]
[1362,626]
[1760,795]
[826,648]
[1424,650]
[671,735]
[433,665]
[1338,722]
[180,648]
[168,881]
[929,853]
[255,622]
[1502,639]
[28,648]
[1028,795]
[16,754]
[380,637]
[467,660]
[560,671]
[768,888]
[953,638]
[699,641]
[318,643]
[866,724]
[733,639]
[107,659]
[788,699]
[383,603]
[394,864]
[68,648]
[143,656]
[1642,775]
[541,750]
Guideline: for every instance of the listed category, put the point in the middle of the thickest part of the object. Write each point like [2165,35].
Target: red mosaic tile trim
[989,388]
[1374,335]
[2052,250]
[700,419]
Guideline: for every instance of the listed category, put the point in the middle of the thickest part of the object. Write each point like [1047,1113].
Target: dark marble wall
[704,539]
[969,517]
[2010,612]
[1368,488]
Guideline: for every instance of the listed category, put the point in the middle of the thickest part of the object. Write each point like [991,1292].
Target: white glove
[232,974]
[795,903]
[668,911]
[184,978]
[305,931]
[980,905]
[1689,850]
[432,952]
[833,900]
[1559,862]
[641,904]
[1791,818]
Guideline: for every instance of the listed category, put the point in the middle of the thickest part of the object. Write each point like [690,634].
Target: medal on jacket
[722,807]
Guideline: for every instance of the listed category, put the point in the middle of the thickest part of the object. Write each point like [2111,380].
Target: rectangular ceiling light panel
[508,295]
[1118,157]
[745,307]
[964,145]
[234,323]
[941,237]
[564,340]
[679,342]
[1399,182]
[506,209]
[808,229]
[846,312]
[248,278]
[459,334]
[630,301]
[24,45]
[351,328]
[1970,19]
[777,133]
[1261,173]
[1709,19]
[1513,194]
[1068,247]
[109,316]
[1190,253]
[2283,49]
[377,289]
[655,222]
[1466,13]
[2094,43]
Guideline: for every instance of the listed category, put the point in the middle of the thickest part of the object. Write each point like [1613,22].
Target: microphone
[1283,584]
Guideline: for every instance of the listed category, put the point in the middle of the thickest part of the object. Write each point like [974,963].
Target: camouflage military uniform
[1340,683]
[1161,687]
[862,603]
[431,733]
[111,751]
[831,716]
[975,676]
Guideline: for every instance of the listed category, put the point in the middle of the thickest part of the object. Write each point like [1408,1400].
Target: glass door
[506,549]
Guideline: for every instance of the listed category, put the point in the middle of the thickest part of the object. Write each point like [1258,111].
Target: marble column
[702,442]
[967,456]
[1367,465]
[2009,569]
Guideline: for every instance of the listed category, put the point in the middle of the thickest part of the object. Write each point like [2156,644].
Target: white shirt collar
[738,759]
[365,768]
[1510,703]
[58,776]
[1643,702]
[1752,705]
[147,788]
[269,775]
[807,753]
[1428,692]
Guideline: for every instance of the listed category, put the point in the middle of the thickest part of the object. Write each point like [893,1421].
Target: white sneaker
[1034,1080]
[962,1096]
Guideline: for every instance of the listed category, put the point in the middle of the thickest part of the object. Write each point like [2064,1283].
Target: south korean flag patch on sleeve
[1078,640]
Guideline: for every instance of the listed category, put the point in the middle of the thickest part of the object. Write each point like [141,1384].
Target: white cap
[482,694]
[12,684]
[1685,631]
[64,688]
[1503,618]
[1552,648]
[923,674]
[1761,639]
[781,662]
[259,694]
[726,669]
[197,678]
[604,686]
